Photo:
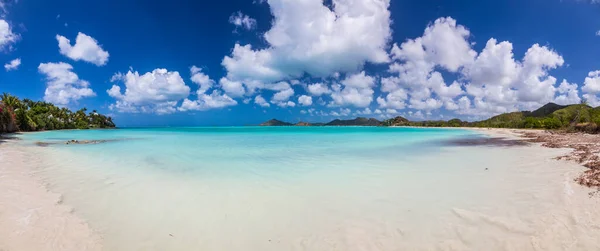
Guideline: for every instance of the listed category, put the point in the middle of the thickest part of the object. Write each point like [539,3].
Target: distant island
[26,115]
[337,122]
[579,117]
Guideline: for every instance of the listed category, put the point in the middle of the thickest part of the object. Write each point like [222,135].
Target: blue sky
[260,60]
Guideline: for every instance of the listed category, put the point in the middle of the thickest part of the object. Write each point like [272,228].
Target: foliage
[579,117]
[28,115]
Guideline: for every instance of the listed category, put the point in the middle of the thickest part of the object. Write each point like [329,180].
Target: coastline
[38,220]
[31,216]
[584,149]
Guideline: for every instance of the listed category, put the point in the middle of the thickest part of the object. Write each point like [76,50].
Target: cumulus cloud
[487,83]
[591,88]
[316,40]
[568,94]
[305,100]
[259,100]
[285,104]
[445,45]
[592,83]
[318,89]
[152,92]
[283,93]
[86,48]
[232,88]
[205,102]
[13,64]
[215,100]
[395,99]
[499,83]
[7,37]
[202,80]
[242,20]
[63,86]
[355,90]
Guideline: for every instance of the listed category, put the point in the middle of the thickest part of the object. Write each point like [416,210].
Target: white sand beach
[31,217]
[516,198]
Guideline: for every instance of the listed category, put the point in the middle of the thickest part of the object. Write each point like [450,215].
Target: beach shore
[34,218]
[31,216]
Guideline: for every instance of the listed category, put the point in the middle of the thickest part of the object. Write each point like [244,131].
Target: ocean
[300,188]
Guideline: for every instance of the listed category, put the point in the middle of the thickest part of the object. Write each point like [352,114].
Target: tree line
[28,115]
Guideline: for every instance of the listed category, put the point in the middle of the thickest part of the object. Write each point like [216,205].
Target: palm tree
[10,101]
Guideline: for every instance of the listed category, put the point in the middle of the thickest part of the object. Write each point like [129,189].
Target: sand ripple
[31,217]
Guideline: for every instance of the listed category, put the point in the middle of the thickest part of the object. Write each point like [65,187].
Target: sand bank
[31,217]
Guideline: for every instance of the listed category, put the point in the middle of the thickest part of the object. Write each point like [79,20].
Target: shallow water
[297,188]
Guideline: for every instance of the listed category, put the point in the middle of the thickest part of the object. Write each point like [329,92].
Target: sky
[219,63]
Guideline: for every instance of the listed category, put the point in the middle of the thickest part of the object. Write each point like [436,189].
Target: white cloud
[357,91]
[592,82]
[360,80]
[427,104]
[157,91]
[232,88]
[591,87]
[568,94]
[391,111]
[318,89]
[592,99]
[366,111]
[309,37]
[63,86]
[86,48]
[201,79]
[7,37]
[242,20]
[396,100]
[305,100]
[205,102]
[282,95]
[444,44]
[285,104]
[13,64]
[494,80]
[259,100]
[598,33]
[498,83]
[353,96]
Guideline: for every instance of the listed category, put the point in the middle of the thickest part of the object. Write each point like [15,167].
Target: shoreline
[38,220]
[33,217]
[584,149]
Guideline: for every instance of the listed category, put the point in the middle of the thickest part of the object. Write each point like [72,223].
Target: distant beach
[296,189]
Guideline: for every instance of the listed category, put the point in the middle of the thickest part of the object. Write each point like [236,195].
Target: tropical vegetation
[579,117]
[28,115]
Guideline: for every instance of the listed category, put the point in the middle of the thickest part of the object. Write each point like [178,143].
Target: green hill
[579,117]
[397,121]
[355,122]
[546,110]
[275,122]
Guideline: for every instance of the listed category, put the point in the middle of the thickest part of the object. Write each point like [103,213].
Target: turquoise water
[263,188]
[252,149]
